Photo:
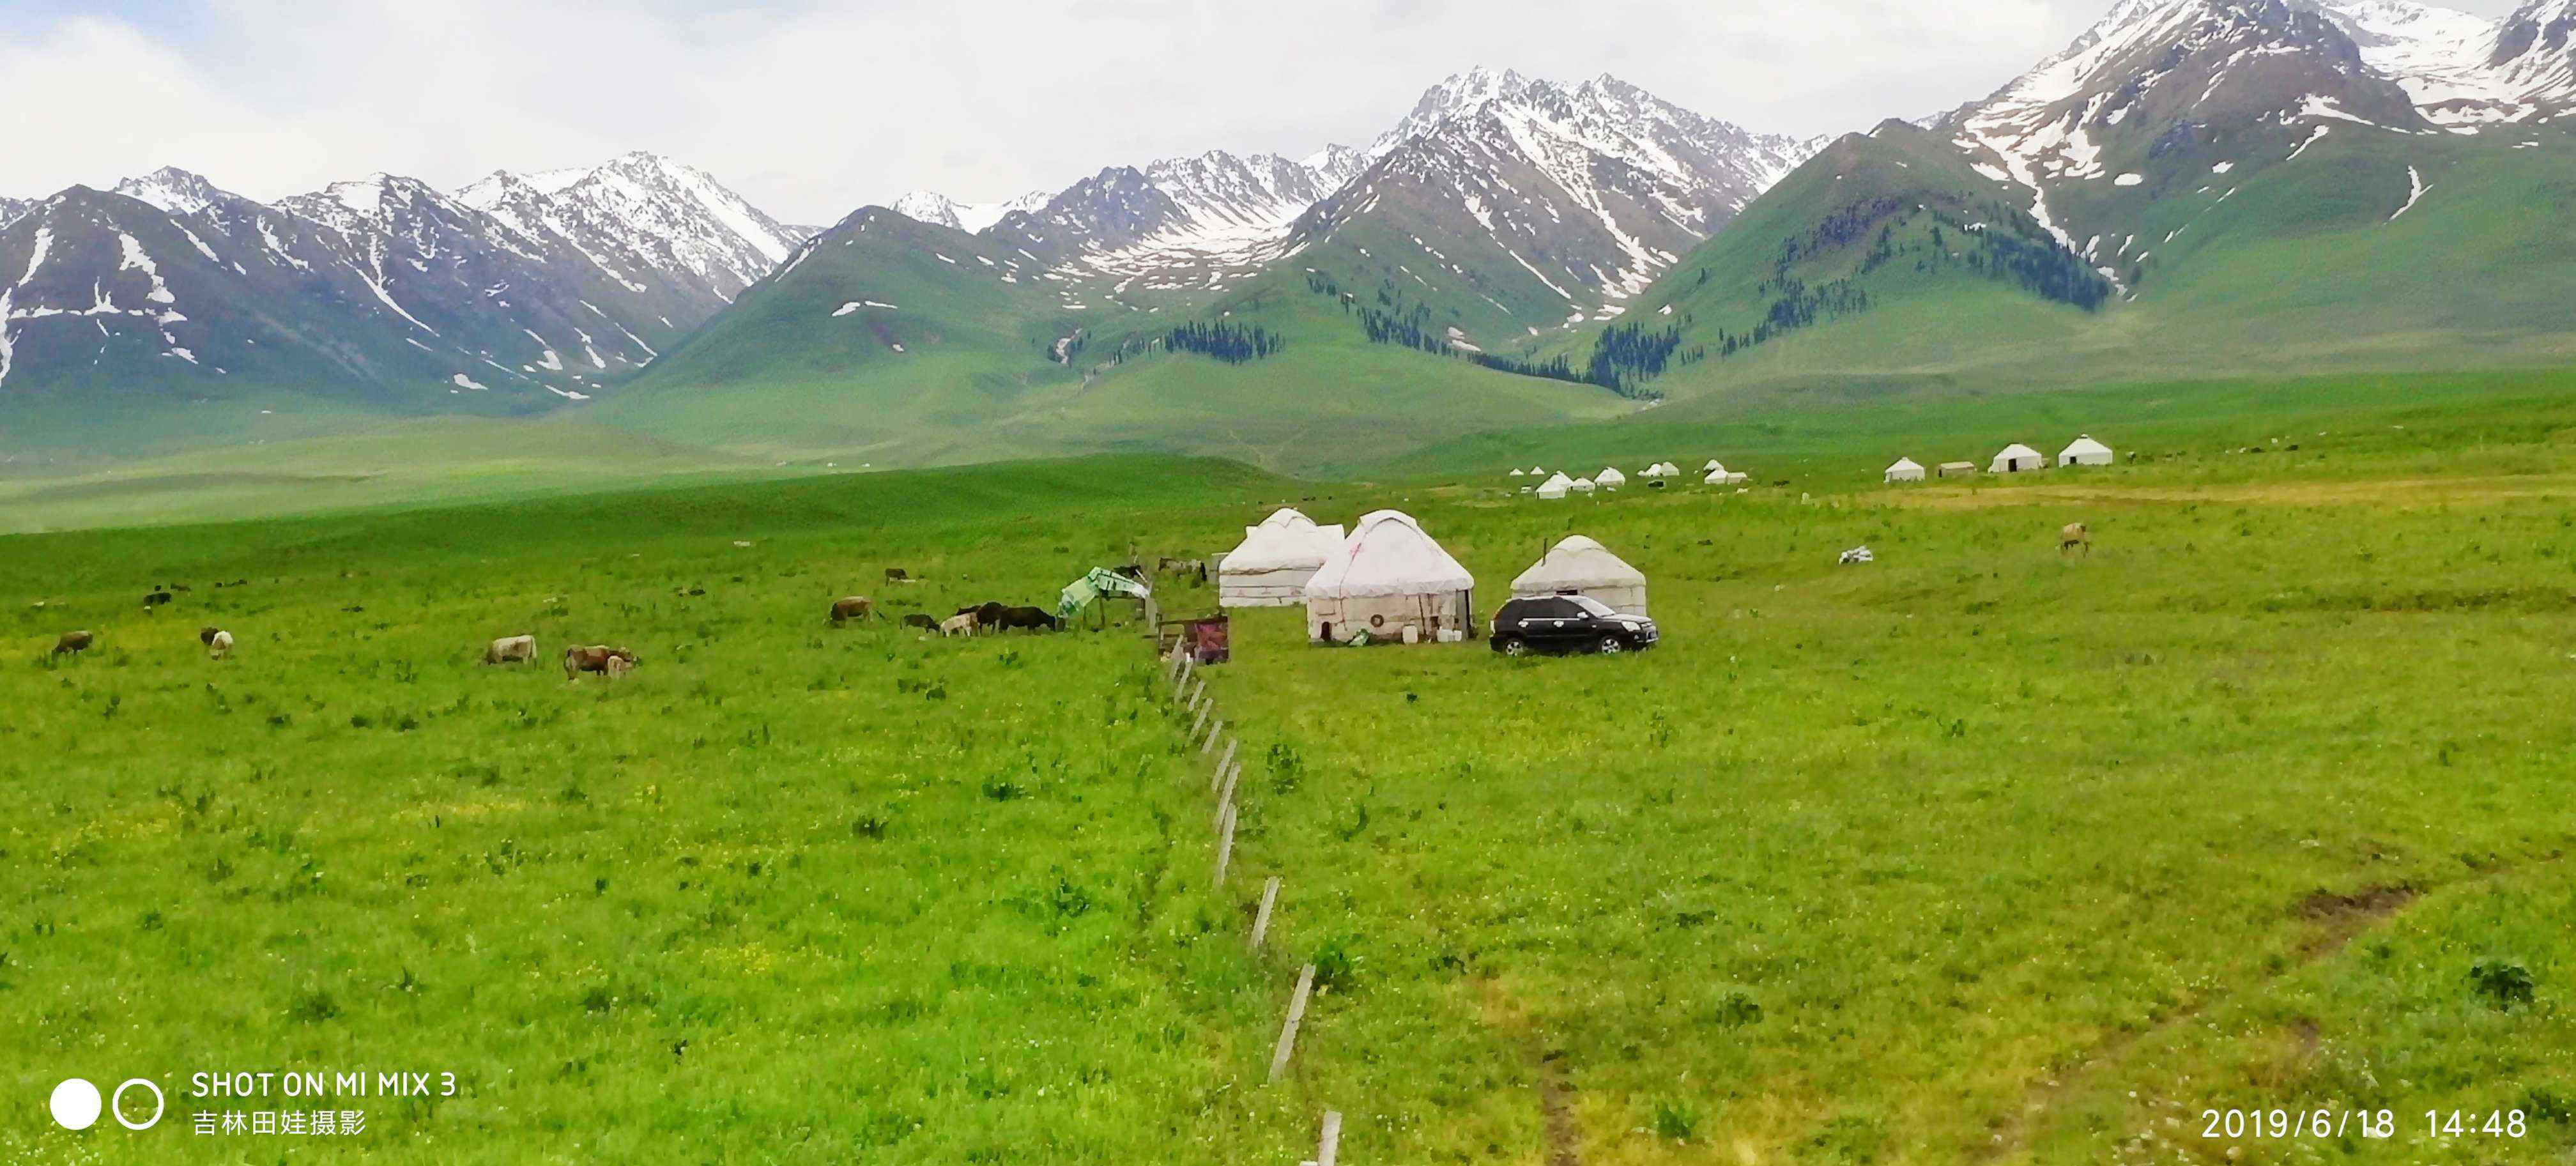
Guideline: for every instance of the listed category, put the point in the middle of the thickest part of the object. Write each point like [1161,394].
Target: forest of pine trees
[1231,343]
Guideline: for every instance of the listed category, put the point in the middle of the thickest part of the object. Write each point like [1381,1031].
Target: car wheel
[1515,646]
[1609,646]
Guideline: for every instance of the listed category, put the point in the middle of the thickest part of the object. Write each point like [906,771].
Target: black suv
[1568,623]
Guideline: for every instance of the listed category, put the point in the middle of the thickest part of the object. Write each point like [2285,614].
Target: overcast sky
[812,109]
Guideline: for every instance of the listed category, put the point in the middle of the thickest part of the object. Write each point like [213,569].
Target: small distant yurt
[1535,471]
[1716,477]
[1555,486]
[1583,485]
[2085,451]
[1906,469]
[1712,466]
[1581,566]
[1272,564]
[1388,576]
[1958,469]
[1610,478]
[2015,458]
[1516,472]
[1671,470]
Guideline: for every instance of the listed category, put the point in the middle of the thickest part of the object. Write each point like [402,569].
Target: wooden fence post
[1261,921]
[1199,723]
[1225,846]
[1217,779]
[1208,746]
[1329,1145]
[1296,1016]
[1225,793]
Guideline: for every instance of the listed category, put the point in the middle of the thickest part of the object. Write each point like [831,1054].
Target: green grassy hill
[1859,268]
[978,357]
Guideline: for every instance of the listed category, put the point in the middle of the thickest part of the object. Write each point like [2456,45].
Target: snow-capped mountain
[930,206]
[1583,193]
[1179,221]
[375,286]
[643,217]
[2467,71]
[12,208]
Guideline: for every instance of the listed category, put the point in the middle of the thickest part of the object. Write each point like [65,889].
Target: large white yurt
[1610,478]
[1581,566]
[1270,567]
[1905,469]
[1555,486]
[1388,576]
[2085,451]
[2015,458]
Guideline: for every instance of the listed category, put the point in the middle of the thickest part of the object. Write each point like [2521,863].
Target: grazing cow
[985,614]
[155,599]
[72,642]
[2074,535]
[511,650]
[918,620]
[218,642]
[897,575]
[960,624]
[620,667]
[594,658]
[1030,618]
[850,607]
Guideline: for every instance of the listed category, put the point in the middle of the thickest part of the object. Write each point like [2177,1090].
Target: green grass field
[1980,853]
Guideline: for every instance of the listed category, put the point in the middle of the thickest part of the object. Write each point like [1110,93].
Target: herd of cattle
[615,662]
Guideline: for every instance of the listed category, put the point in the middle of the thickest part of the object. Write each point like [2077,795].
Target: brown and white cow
[850,607]
[595,658]
[218,642]
[73,642]
[960,624]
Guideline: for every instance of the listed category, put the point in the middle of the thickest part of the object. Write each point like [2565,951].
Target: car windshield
[1594,606]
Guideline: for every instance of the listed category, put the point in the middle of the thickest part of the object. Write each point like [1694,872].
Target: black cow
[1030,618]
[924,622]
[986,614]
[156,599]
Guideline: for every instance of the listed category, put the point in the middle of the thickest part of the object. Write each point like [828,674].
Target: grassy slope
[780,377]
[1977,852]
[2276,269]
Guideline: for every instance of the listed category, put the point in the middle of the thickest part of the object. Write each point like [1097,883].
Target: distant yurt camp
[2015,458]
[1581,566]
[1906,469]
[1386,577]
[2084,451]
[1272,564]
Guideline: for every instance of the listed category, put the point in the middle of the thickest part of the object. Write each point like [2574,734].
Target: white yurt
[1555,486]
[1905,469]
[1516,472]
[1716,477]
[1535,471]
[1712,466]
[2085,451]
[1386,577]
[1671,470]
[1610,478]
[1270,567]
[1583,485]
[1581,566]
[2015,458]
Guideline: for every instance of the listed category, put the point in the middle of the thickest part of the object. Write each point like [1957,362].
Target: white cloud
[811,109]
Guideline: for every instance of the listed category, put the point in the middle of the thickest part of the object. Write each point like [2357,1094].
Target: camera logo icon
[76,1104]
